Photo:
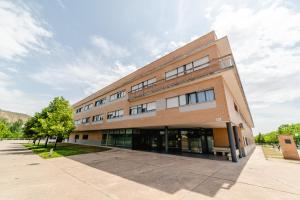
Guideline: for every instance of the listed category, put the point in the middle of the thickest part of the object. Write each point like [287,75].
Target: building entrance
[179,140]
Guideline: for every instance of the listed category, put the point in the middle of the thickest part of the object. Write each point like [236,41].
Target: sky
[73,48]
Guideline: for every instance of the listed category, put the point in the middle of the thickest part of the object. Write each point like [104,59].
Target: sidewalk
[27,176]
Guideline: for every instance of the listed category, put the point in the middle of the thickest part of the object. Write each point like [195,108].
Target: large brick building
[190,100]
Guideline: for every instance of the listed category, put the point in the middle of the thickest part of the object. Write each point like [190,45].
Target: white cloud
[109,48]
[20,31]
[158,47]
[266,45]
[15,100]
[86,74]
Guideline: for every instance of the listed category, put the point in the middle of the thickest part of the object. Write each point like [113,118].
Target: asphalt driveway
[126,174]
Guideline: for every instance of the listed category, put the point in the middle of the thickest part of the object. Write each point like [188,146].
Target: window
[117,95]
[142,108]
[85,137]
[201,97]
[201,63]
[97,118]
[171,74]
[182,100]
[172,102]
[143,84]
[287,141]
[77,122]
[180,71]
[115,114]
[87,107]
[188,68]
[85,120]
[76,137]
[78,110]
[210,95]
[100,102]
[192,98]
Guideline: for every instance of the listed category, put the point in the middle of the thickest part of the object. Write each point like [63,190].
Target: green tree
[16,127]
[271,137]
[57,120]
[4,129]
[260,139]
[31,128]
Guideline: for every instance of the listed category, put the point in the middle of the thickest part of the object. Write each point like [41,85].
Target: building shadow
[165,172]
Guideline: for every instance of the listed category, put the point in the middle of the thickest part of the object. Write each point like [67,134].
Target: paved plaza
[125,174]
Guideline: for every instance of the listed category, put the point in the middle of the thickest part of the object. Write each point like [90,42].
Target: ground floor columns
[231,142]
[166,139]
[237,140]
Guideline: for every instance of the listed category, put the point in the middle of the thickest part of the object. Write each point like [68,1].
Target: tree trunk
[39,142]
[46,141]
[34,141]
[55,143]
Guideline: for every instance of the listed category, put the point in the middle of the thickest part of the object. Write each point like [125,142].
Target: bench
[222,150]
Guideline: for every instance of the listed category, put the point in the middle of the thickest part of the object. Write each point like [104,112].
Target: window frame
[176,97]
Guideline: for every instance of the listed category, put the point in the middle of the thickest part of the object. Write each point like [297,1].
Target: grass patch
[63,149]
[271,152]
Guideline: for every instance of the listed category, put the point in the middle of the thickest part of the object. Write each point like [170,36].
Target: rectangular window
[142,85]
[201,63]
[85,137]
[287,141]
[87,107]
[172,102]
[182,100]
[180,71]
[85,120]
[115,114]
[171,74]
[77,122]
[192,98]
[117,95]
[201,96]
[189,68]
[97,118]
[100,102]
[210,95]
[151,81]
[151,106]
[142,108]
[78,110]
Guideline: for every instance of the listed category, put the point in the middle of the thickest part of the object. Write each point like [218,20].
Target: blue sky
[72,48]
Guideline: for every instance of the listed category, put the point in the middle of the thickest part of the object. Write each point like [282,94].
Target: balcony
[211,67]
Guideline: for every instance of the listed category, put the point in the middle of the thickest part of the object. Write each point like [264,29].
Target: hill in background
[13,116]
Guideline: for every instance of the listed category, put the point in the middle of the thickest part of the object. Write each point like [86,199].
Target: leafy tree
[31,128]
[4,129]
[16,127]
[271,137]
[60,119]
[260,138]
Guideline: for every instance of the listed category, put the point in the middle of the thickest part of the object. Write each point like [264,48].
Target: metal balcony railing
[212,66]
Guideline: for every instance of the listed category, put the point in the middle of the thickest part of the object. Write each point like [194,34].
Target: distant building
[192,98]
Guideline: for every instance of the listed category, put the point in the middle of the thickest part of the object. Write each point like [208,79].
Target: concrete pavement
[125,174]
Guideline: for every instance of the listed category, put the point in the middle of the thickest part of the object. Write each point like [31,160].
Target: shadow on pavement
[168,173]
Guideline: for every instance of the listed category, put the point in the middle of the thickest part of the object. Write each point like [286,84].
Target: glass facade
[117,138]
[179,140]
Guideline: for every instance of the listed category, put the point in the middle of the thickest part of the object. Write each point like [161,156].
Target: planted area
[63,149]
[271,152]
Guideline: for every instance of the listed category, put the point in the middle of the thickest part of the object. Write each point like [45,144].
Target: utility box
[288,147]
